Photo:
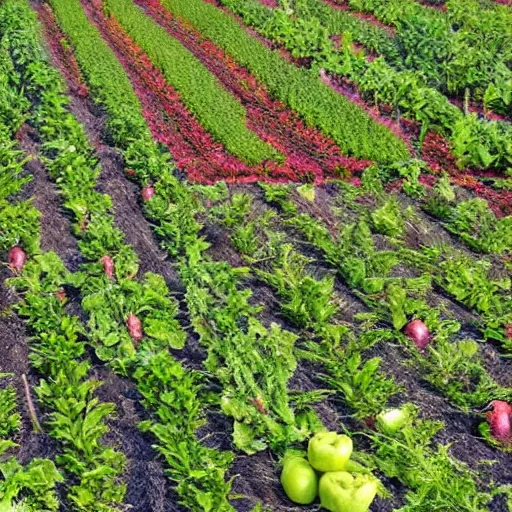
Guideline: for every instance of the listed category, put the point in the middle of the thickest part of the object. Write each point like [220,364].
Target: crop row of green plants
[75,418]
[29,488]
[484,30]
[312,306]
[474,142]
[451,56]
[130,323]
[476,283]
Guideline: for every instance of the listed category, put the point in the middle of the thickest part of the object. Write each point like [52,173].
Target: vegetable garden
[257,255]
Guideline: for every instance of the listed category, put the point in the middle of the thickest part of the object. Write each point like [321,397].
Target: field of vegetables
[256,255]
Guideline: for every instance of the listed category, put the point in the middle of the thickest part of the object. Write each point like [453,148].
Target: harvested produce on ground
[418,332]
[329,451]
[299,480]
[108,266]
[16,258]
[500,421]
[342,492]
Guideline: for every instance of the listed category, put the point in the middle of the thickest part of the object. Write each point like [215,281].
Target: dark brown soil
[14,350]
[148,488]
[55,226]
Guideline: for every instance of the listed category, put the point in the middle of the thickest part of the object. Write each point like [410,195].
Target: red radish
[508,331]
[129,172]
[108,266]
[147,193]
[134,326]
[418,332]
[60,294]
[16,258]
[500,421]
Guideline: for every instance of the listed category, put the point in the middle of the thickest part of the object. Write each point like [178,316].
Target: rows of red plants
[269,118]
[62,49]
[311,157]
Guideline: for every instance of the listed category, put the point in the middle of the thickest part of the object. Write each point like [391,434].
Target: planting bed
[227,227]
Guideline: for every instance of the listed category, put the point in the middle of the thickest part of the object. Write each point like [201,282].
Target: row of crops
[257,255]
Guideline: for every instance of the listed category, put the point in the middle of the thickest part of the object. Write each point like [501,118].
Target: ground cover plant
[256,255]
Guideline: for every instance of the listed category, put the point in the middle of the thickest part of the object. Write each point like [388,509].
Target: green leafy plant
[388,220]
[435,480]
[477,225]
[361,383]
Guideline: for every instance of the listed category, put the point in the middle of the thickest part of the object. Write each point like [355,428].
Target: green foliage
[175,395]
[19,220]
[10,419]
[435,480]
[352,129]
[172,211]
[354,253]
[109,306]
[441,198]
[388,220]
[469,282]
[253,363]
[280,196]
[453,49]
[456,369]
[233,212]
[77,417]
[477,225]
[480,144]
[305,301]
[30,488]
[221,314]
[337,21]
[362,384]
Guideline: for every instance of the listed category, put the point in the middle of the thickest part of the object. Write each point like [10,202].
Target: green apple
[328,451]
[341,492]
[392,420]
[299,480]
